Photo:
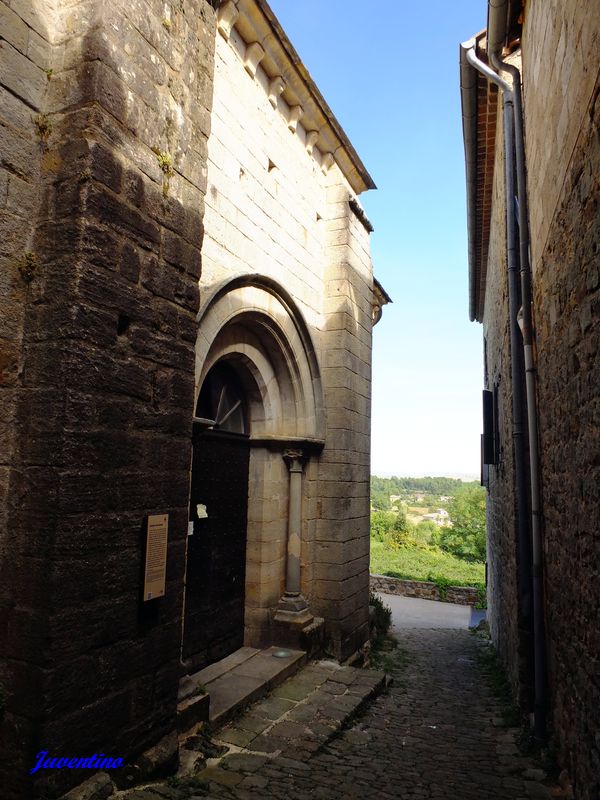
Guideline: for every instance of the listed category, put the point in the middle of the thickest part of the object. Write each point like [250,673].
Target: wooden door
[216,560]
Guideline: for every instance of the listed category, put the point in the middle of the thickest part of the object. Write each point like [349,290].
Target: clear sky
[389,71]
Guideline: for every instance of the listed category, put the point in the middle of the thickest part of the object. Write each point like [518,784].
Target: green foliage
[421,550]
[380,499]
[382,525]
[383,614]
[401,535]
[481,597]
[466,537]
[426,534]
[420,564]
[431,486]
[495,675]
[442,583]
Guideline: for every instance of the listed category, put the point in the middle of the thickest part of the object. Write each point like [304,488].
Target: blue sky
[389,71]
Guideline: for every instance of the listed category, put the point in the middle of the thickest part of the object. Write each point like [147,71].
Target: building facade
[187,302]
[533,181]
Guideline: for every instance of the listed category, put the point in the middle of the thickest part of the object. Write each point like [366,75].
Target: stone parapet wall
[425,590]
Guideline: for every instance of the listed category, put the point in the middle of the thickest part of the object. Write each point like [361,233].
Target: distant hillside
[382,488]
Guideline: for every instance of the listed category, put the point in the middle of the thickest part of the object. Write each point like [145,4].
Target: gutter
[468,92]
[516,353]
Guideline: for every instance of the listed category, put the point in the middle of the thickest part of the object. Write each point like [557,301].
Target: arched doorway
[216,558]
[259,394]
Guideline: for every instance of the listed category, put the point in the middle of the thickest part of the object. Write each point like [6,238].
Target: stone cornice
[268,46]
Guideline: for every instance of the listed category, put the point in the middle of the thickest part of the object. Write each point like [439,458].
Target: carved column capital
[295,458]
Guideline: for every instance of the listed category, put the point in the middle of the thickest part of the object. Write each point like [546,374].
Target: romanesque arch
[250,329]
[254,323]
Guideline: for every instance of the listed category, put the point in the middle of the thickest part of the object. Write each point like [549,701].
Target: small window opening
[272,165]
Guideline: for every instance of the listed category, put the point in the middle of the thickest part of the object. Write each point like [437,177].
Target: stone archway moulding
[253,321]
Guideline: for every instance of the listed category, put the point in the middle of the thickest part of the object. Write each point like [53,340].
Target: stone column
[293,606]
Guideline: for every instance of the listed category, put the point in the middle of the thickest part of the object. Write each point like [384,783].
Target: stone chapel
[186,312]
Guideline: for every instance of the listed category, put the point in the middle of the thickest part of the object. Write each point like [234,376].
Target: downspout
[497,29]
[516,360]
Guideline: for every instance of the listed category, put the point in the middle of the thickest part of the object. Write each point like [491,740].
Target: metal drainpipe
[539,634]
[516,360]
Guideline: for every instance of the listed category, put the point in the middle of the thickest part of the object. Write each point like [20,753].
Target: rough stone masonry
[101,201]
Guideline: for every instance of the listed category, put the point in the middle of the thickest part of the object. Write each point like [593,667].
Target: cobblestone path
[436,734]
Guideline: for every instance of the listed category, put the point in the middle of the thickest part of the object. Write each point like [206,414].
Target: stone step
[232,683]
[304,713]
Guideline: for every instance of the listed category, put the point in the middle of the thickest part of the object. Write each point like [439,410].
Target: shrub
[382,616]
[466,537]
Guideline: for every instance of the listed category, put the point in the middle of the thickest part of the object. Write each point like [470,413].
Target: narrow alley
[437,732]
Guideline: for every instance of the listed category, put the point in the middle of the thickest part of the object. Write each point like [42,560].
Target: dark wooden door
[216,561]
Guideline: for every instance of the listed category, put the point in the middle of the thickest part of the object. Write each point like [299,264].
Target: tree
[402,532]
[426,533]
[382,525]
[380,499]
[466,537]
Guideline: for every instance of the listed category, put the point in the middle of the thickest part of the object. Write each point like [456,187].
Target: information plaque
[156,556]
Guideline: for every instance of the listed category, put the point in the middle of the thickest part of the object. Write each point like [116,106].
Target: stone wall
[562,114]
[273,208]
[342,534]
[425,590]
[565,178]
[560,71]
[103,179]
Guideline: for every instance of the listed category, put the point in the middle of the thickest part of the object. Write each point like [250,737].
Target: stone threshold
[217,692]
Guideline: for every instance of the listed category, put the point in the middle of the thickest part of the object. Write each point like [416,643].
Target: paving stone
[252,722]
[222,776]
[304,712]
[267,744]
[243,762]
[237,736]
[273,707]
[334,688]
[294,690]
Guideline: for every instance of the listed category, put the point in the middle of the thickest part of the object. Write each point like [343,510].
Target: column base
[293,608]
[295,626]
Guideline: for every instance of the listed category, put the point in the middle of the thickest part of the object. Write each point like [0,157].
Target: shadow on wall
[26,58]
[103,388]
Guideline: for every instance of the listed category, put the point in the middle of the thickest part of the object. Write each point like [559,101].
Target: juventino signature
[92,762]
